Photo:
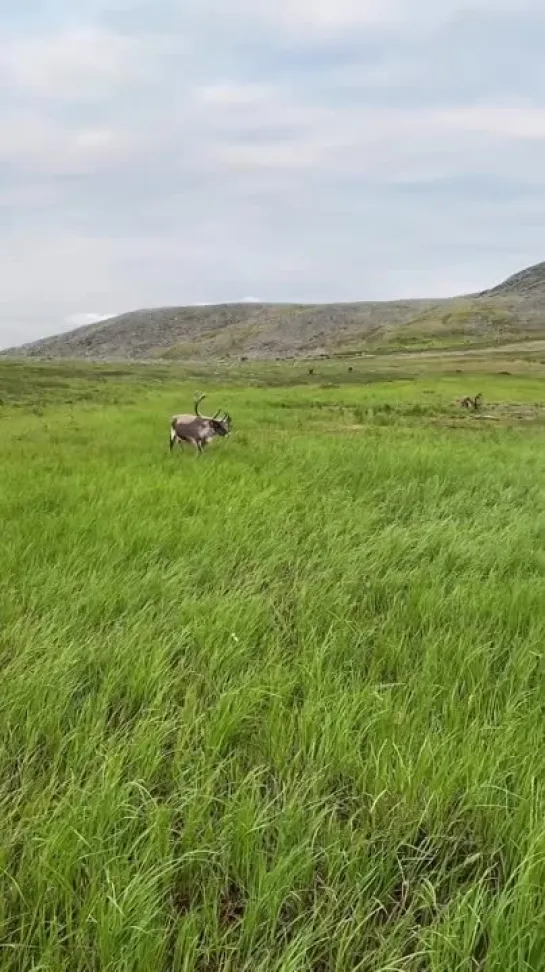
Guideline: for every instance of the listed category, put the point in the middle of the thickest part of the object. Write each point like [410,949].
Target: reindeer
[474,403]
[198,429]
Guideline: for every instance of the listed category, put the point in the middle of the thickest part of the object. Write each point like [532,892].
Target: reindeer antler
[198,400]
[222,416]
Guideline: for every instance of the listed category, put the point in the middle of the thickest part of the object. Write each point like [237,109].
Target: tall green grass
[279,708]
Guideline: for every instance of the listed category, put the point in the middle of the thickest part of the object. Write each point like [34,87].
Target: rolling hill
[514,310]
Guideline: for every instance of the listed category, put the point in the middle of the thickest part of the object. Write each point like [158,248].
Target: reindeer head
[220,423]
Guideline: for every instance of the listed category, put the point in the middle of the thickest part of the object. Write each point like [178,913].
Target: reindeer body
[474,403]
[198,429]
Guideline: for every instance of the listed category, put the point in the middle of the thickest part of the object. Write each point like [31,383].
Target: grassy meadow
[281,708]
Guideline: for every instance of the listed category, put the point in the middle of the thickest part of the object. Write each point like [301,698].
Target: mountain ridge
[511,310]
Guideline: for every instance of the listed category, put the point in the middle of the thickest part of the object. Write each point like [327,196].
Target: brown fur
[474,403]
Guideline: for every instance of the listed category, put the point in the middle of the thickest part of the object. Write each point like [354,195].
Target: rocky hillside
[514,310]
[529,283]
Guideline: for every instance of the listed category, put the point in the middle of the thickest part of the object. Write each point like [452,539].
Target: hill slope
[528,283]
[513,310]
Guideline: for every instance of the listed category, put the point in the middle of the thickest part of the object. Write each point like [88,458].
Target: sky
[159,152]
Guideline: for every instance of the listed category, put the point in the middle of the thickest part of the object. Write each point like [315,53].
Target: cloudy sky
[184,151]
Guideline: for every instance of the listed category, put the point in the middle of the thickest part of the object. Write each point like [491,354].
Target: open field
[280,708]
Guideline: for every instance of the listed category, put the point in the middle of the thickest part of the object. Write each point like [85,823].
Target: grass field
[281,708]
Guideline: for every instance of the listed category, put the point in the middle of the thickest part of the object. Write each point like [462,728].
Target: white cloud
[232,94]
[74,64]
[333,15]
[235,300]
[504,121]
[306,21]
[39,144]
[301,16]
[80,320]
[268,131]
[330,16]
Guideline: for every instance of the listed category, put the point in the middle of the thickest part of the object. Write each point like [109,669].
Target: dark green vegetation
[514,311]
[280,708]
